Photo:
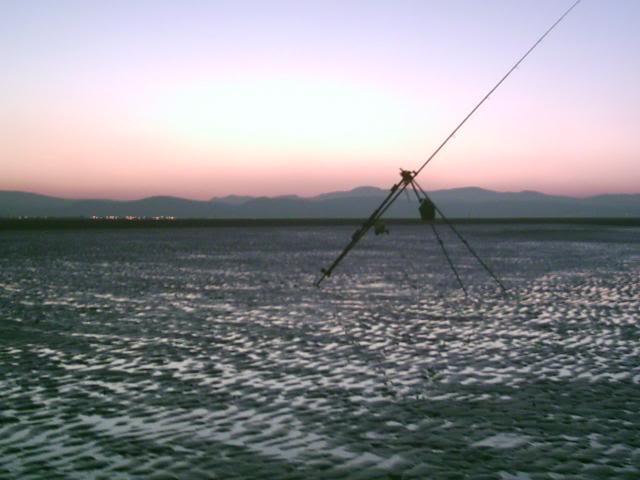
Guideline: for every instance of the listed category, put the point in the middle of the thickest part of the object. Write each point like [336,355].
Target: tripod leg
[446,254]
[472,251]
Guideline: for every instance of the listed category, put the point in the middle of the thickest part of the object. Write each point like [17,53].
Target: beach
[210,353]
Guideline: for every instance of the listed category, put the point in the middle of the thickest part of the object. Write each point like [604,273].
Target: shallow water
[208,353]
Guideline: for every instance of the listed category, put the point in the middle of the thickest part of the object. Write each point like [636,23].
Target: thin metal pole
[455,130]
[398,188]
[463,240]
[446,254]
[471,250]
[395,192]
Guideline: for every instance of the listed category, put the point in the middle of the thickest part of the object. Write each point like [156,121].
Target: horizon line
[306,197]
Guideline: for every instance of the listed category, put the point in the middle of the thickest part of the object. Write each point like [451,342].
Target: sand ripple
[209,354]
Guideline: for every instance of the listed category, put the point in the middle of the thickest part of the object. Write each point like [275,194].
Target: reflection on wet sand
[197,354]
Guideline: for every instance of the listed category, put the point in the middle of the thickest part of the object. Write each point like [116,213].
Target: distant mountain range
[470,202]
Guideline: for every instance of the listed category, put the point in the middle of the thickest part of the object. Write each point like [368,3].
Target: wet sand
[208,353]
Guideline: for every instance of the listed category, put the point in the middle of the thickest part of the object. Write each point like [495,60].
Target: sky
[203,98]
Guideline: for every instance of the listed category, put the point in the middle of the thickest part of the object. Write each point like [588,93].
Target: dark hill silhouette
[146,207]
[356,192]
[469,202]
[233,199]
[13,204]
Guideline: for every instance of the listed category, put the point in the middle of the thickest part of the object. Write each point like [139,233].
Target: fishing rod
[407,177]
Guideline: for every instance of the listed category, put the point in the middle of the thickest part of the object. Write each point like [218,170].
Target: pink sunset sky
[208,98]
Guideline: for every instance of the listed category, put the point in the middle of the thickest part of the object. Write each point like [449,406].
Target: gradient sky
[126,99]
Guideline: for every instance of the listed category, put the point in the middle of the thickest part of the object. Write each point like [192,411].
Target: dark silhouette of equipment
[380,228]
[427,208]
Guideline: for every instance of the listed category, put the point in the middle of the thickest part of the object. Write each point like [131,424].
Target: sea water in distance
[209,353]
